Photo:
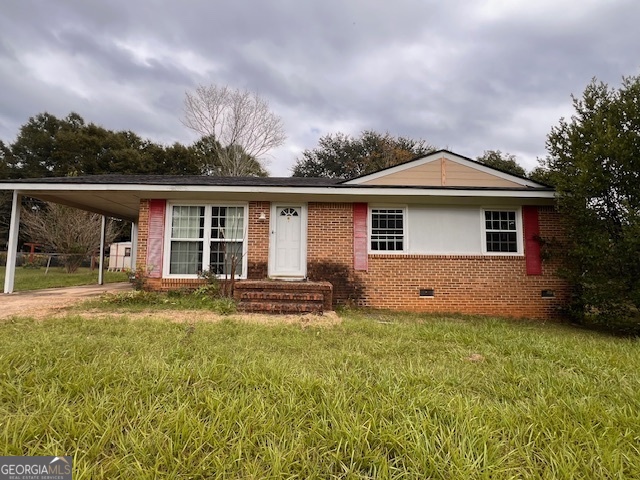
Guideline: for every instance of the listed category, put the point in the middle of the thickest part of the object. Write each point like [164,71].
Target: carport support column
[103,234]
[12,246]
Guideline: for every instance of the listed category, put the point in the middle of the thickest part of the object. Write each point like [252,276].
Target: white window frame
[206,247]
[405,229]
[519,230]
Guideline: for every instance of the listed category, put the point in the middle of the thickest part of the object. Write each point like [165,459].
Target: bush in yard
[225,306]
[212,286]
[138,278]
[35,261]
[594,162]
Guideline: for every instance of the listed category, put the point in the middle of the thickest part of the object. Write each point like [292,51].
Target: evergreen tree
[594,162]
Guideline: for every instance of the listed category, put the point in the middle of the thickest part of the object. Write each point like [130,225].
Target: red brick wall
[330,249]
[330,233]
[143,233]
[492,285]
[466,284]
[258,240]
[473,284]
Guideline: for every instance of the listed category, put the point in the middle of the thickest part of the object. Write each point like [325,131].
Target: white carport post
[12,246]
[134,245]
[103,234]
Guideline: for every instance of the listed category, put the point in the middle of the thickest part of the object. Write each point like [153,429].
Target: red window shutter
[531,242]
[360,255]
[155,242]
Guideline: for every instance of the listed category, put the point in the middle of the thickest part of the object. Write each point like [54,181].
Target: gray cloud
[471,77]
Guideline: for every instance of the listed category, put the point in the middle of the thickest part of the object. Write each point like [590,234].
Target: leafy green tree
[594,161]
[176,159]
[48,146]
[502,161]
[542,174]
[5,164]
[342,156]
[5,197]
[34,151]
[217,160]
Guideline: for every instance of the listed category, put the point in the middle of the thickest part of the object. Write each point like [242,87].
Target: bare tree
[71,232]
[241,123]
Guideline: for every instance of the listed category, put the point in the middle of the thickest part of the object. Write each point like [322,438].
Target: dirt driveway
[40,303]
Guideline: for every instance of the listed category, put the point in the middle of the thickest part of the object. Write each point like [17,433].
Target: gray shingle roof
[200,180]
[196,180]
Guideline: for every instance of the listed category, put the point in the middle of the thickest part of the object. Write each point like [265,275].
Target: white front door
[288,245]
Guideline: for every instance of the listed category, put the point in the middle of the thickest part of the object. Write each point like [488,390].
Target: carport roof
[195,180]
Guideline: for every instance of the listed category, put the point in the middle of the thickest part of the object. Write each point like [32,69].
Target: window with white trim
[227,240]
[387,230]
[501,231]
[206,237]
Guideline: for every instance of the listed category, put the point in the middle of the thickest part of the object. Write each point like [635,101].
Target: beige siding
[442,172]
[427,174]
[462,176]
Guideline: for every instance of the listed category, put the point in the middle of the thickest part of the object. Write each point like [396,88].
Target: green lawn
[379,396]
[36,279]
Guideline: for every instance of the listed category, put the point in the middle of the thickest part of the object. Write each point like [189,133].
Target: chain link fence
[117,263]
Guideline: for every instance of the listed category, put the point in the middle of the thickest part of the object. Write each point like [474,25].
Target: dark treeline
[48,146]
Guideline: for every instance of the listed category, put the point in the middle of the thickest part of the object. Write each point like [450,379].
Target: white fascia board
[27,188]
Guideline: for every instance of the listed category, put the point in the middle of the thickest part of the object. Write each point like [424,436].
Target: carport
[100,198]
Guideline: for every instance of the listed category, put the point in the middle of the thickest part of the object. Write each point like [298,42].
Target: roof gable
[443,169]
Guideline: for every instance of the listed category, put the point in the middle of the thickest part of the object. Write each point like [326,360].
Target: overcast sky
[464,75]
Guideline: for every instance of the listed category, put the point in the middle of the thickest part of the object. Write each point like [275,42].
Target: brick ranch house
[440,233]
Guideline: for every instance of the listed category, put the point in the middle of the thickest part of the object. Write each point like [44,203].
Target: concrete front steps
[272,296]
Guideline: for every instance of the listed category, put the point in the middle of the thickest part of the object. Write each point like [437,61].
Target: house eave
[122,200]
[342,190]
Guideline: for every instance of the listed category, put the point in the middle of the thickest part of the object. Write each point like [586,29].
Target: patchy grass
[139,300]
[379,396]
[36,279]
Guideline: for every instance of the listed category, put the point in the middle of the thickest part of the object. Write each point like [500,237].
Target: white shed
[120,256]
